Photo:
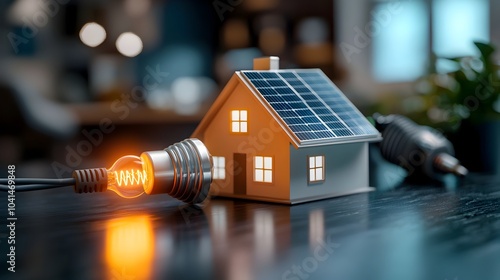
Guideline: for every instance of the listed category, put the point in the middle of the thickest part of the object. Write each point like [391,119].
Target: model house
[286,136]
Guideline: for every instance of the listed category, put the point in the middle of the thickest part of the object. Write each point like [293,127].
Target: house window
[263,169]
[316,169]
[239,121]
[219,167]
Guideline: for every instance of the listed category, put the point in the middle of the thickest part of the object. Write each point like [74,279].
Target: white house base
[295,201]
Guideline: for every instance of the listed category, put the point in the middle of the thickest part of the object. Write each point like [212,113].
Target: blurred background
[84,82]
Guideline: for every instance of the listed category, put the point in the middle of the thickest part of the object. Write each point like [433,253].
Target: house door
[240,173]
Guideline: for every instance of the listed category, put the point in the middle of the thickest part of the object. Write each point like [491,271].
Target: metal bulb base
[183,171]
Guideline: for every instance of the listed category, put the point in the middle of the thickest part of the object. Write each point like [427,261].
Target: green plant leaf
[486,50]
[456,59]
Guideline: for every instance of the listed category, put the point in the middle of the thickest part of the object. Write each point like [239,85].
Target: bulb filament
[130,177]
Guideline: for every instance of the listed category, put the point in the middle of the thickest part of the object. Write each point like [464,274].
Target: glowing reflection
[316,228]
[219,222]
[264,236]
[129,248]
[240,264]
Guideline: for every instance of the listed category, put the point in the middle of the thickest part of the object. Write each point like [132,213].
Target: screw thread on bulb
[90,180]
[188,169]
[183,171]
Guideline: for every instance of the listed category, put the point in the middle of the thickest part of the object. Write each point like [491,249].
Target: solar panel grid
[269,75]
[316,105]
[346,111]
[290,107]
[311,107]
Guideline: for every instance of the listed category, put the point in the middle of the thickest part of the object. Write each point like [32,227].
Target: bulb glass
[127,177]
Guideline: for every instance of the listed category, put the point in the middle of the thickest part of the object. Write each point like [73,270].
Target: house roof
[309,107]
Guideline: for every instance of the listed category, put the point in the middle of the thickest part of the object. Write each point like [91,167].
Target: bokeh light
[92,34]
[129,44]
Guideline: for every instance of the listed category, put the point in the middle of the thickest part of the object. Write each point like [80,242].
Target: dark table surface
[411,232]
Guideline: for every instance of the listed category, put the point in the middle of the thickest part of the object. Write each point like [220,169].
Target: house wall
[264,138]
[346,169]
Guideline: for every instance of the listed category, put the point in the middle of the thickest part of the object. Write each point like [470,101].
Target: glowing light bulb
[183,170]
[127,177]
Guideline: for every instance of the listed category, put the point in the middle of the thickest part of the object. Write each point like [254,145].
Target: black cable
[28,181]
[33,184]
[32,187]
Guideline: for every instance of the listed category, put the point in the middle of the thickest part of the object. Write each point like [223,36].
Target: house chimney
[266,63]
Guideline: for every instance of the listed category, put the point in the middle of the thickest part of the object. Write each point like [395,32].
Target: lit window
[219,167]
[263,169]
[316,169]
[239,121]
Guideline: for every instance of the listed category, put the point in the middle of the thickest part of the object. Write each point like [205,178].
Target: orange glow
[149,170]
[129,247]
[130,177]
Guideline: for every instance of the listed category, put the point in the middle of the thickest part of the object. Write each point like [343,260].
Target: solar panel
[311,106]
